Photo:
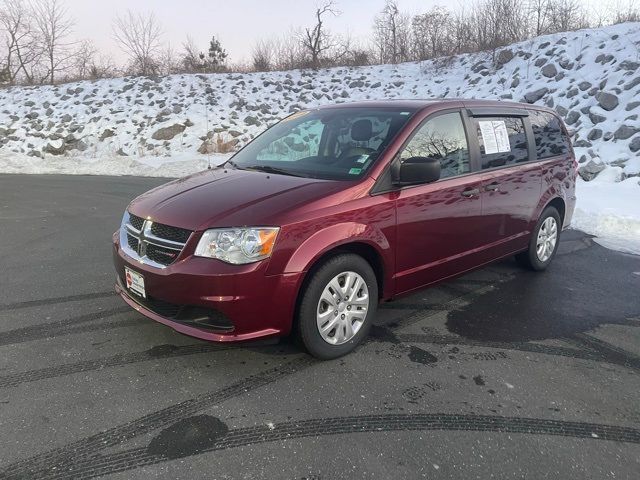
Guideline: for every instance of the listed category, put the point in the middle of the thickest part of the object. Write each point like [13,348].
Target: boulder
[608,101]
[591,170]
[625,131]
[594,134]
[595,118]
[504,56]
[634,146]
[167,133]
[55,147]
[573,117]
[549,70]
[106,134]
[532,97]
[584,86]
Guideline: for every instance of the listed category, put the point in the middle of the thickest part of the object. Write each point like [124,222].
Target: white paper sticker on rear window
[494,136]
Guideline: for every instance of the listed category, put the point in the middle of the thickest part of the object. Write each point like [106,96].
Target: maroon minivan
[335,209]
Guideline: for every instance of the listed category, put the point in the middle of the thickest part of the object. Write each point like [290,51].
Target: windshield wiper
[276,170]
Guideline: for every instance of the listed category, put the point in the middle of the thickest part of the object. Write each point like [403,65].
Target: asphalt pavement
[502,373]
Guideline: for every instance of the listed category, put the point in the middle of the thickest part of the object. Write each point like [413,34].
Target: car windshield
[332,144]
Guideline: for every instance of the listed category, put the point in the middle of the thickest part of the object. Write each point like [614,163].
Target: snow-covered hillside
[158,126]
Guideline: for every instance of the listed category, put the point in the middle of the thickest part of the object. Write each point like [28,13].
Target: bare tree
[138,36]
[22,46]
[84,59]
[392,34]
[566,15]
[262,55]
[54,26]
[192,57]
[628,11]
[432,33]
[317,40]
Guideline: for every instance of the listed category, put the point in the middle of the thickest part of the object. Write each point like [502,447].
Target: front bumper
[249,303]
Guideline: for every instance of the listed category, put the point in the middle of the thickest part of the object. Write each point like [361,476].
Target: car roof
[419,104]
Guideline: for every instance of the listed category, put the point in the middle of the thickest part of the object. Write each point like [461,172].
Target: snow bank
[611,212]
[156,126]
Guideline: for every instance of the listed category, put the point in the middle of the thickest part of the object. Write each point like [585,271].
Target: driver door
[439,226]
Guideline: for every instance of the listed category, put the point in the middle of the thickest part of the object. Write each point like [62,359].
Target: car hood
[229,198]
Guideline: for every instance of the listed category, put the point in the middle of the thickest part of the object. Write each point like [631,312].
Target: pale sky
[238,23]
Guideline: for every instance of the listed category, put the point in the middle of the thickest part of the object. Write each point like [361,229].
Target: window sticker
[494,136]
[362,159]
[355,171]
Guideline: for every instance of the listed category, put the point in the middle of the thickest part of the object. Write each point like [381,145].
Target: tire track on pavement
[89,467]
[55,300]
[65,327]
[60,458]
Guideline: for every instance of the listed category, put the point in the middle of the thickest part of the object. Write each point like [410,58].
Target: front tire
[544,241]
[337,306]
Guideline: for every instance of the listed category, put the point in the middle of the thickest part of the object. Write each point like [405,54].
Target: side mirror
[416,170]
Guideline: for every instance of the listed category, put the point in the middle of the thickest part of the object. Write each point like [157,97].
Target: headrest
[362,130]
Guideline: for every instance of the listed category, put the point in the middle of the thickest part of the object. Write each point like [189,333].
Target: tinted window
[549,135]
[502,141]
[443,138]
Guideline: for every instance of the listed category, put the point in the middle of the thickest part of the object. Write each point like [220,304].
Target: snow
[106,127]
[610,211]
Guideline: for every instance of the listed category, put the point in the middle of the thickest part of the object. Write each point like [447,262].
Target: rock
[594,134]
[561,111]
[32,115]
[595,118]
[188,123]
[629,65]
[631,106]
[167,133]
[549,70]
[121,152]
[607,101]
[572,118]
[625,131]
[632,83]
[591,170]
[251,120]
[634,146]
[607,136]
[504,56]
[55,147]
[536,95]
[540,62]
[572,92]
[106,134]
[584,86]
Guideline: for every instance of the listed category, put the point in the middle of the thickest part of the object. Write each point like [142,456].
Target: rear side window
[503,141]
[549,135]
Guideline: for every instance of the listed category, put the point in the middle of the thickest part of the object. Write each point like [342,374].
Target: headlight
[237,245]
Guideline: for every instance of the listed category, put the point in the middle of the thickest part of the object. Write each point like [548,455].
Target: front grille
[155,244]
[174,234]
[136,222]
[133,242]
[162,255]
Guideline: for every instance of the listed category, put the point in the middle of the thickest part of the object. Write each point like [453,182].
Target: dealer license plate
[135,282]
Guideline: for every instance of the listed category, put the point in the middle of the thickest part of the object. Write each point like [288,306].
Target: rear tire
[337,306]
[543,243]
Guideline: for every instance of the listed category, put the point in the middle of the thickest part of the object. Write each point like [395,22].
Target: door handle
[470,193]
[492,187]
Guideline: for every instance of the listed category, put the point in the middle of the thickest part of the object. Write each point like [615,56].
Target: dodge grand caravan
[332,210]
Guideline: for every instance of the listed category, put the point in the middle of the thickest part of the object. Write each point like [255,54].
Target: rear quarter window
[549,135]
[502,140]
